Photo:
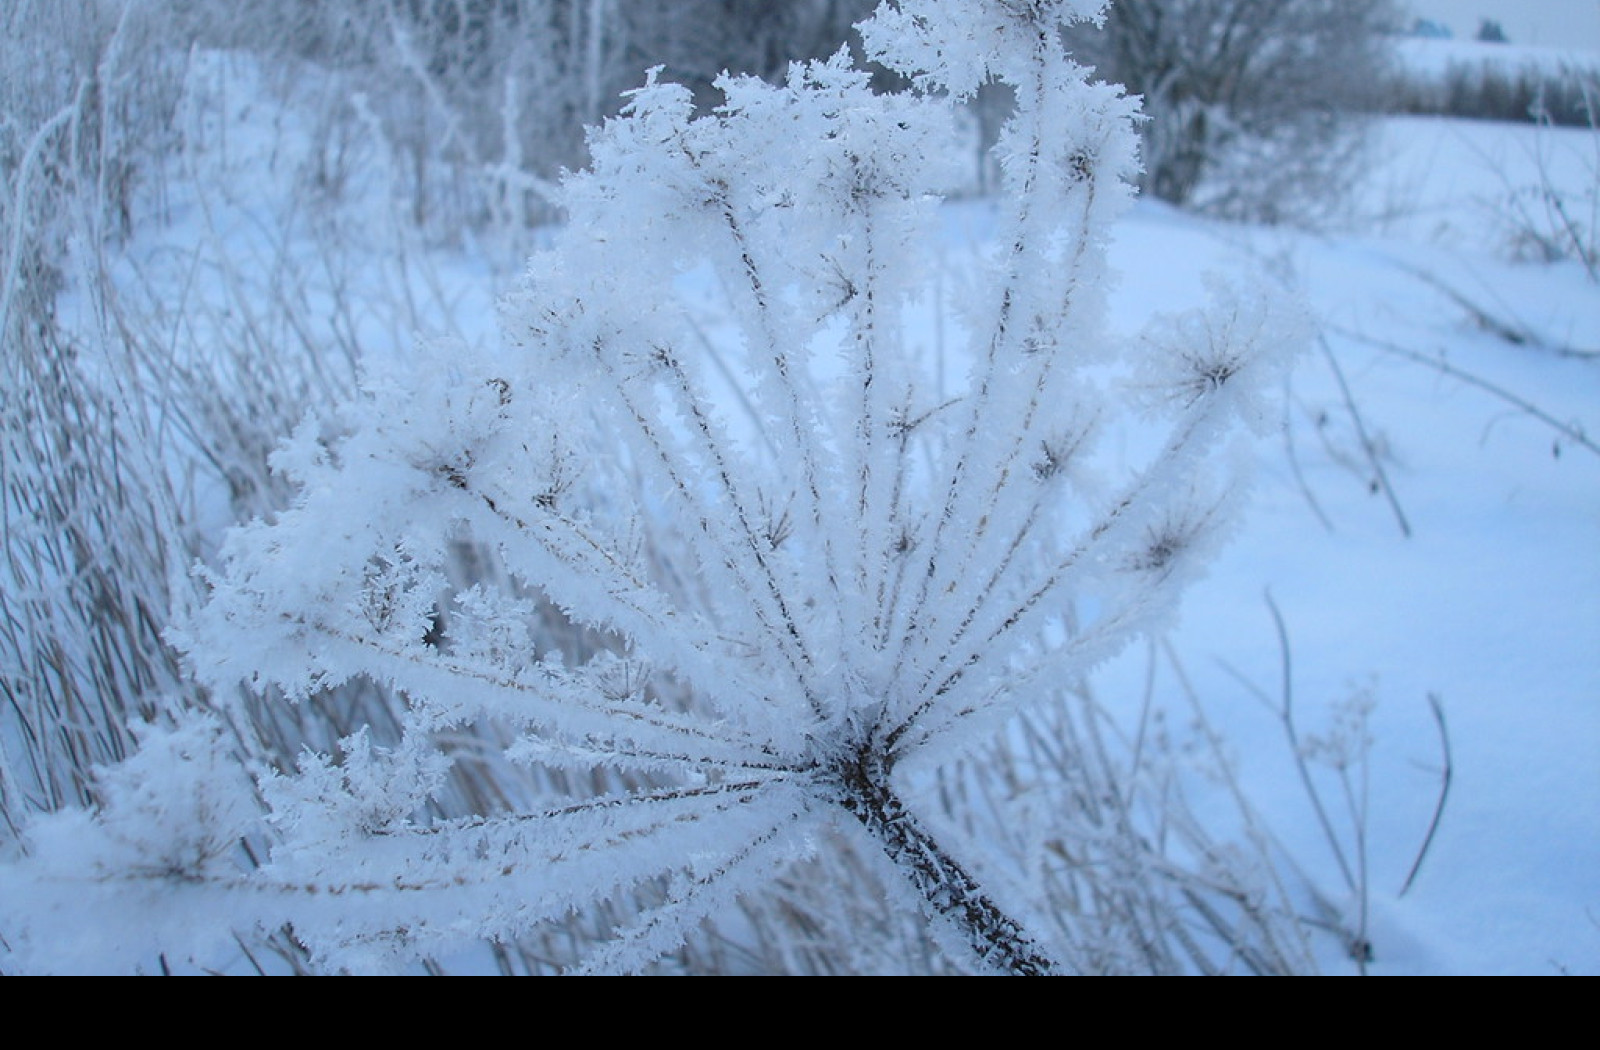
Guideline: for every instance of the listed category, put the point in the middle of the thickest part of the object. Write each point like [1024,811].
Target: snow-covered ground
[1491,604]
[1433,57]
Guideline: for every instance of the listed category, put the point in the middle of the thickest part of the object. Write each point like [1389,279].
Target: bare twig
[1286,714]
[1368,447]
[1571,432]
[1437,707]
[1300,478]
[1513,331]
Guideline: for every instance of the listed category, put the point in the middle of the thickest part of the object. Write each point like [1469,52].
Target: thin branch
[1568,431]
[1368,447]
[1437,707]
[1286,715]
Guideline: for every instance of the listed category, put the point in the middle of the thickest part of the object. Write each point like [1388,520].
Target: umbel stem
[946,887]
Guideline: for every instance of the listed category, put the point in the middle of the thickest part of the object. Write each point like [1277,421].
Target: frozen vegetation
[801,565]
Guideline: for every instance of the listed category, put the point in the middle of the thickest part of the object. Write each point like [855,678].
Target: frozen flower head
[956,47]
[801,562]
[1228,356]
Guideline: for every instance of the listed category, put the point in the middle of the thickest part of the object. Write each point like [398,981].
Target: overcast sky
[1545,23]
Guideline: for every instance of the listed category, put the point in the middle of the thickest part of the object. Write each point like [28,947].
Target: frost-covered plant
[812,574]
[158,854]
[87,518]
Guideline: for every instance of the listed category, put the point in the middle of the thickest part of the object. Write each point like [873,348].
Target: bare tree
[1253,106]
[697,40]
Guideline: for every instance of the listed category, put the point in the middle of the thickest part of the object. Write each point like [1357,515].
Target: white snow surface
[1492,604]
[1435,56]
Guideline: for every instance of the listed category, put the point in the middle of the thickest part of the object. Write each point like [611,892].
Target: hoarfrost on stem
[815,569]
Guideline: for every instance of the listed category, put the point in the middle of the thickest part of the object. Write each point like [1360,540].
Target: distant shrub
[1490,89]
